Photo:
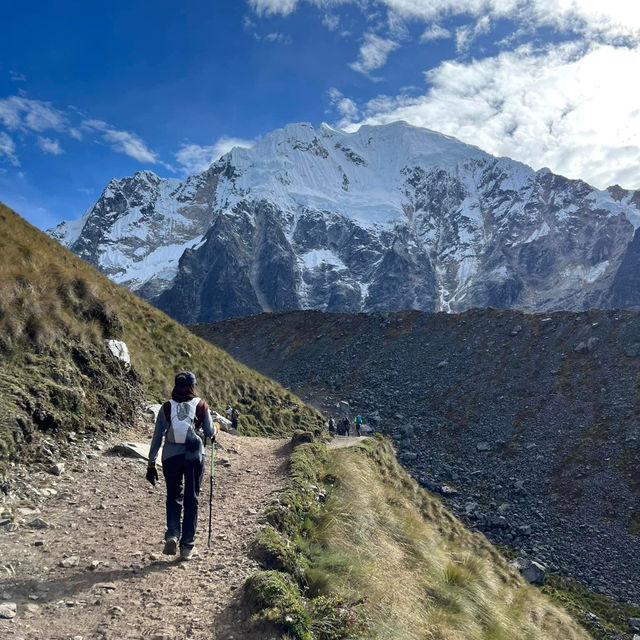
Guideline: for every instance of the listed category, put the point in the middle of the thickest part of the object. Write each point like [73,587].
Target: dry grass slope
[56,374]
[422,573]
[388,553]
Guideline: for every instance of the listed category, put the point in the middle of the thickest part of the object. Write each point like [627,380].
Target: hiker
[345,426]
[331,425]
[179,420]
[358,423]
[233,415]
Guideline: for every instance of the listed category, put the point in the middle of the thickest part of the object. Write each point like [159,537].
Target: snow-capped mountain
[389,217]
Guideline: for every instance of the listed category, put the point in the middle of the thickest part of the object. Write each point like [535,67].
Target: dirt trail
[340,442]
[106,524]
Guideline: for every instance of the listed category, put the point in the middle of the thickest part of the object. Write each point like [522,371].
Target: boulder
[57,469]
[581,347]
[470,507]
[533,572]
[225,423]
[153,410]
[8,610]
[133,450]
[483,446]
[634,624]
[119,350]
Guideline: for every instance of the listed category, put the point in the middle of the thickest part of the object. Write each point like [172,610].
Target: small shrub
[275,599]
[333,619]
[274,551]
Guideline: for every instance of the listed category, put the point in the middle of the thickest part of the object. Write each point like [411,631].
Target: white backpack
[183,416]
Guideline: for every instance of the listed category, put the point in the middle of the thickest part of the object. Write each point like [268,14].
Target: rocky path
[85,561]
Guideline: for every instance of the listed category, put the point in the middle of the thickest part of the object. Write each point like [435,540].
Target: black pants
[183,480]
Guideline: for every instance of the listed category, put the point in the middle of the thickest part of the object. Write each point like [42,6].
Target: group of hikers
[343,427]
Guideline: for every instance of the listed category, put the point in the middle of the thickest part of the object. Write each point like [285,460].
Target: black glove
[152,473]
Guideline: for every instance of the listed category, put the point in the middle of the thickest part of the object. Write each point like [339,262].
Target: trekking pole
[213,448]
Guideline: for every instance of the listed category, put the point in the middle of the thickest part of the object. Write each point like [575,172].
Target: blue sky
[92,91]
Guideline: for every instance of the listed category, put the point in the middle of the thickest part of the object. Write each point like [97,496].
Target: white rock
[8,610]
[119,350]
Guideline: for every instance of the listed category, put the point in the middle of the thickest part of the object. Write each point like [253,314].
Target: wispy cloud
[593,19]
[121,141]
[17,77]
[271,7]
[50,146]
[28,116]
[331,21]
[8,148]
[346,107]
[195,158]
[435,32]
[373,53]
[20,113]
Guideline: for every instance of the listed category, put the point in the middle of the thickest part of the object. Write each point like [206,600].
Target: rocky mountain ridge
[387,218]
[527,424]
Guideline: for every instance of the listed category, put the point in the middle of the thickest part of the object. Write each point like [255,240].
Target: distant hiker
[331,425]
[358,423]
[345,426]
[178,422]
[233,415]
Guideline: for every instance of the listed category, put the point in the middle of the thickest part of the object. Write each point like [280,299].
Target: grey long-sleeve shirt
[172,448]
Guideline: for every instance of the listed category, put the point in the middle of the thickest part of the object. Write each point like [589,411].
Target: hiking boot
[187,553]
[170,547]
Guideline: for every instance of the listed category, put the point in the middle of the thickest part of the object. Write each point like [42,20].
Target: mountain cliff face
[387,218]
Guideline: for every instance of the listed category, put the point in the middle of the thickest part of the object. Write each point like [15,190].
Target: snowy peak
[386,217]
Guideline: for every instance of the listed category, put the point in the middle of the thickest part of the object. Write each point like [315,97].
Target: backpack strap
[166,407]
[201,410]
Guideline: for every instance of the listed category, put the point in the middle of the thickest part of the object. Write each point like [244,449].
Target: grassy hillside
[56,374]
[358,550]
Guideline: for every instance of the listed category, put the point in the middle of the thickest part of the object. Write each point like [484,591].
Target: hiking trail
[87,562]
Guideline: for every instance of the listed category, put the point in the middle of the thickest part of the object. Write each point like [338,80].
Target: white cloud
[8,148]
[20,113]
[17,77]
[122,141]
[276,36]
[195,158]
[331,21]
[572,109]
[373,53]
[50,146]
[271,7]
[346,107]
[612,19]
[435,32]
[466,34]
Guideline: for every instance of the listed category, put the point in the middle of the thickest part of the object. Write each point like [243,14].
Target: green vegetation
[583,604]
[384,559]
[57,375]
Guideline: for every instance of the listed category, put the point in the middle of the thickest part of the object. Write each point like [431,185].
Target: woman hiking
[178,422]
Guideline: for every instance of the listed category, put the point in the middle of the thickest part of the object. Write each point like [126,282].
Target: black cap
[185,379]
